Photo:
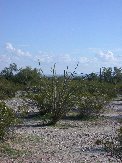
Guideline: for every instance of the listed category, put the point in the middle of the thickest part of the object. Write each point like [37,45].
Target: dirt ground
[70,141]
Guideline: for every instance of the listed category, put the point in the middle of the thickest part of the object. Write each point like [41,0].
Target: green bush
[114,145]
[27,76]
[119,88]
[94,87]
[7,118]
[8,88]
[100,88]
[56,95]
[91,104]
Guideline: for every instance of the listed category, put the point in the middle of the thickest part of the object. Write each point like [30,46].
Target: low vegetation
[113,145]
[59,95]
[7,119]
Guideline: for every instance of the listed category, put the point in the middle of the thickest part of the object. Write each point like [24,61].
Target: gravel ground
[20,104]
[68,142]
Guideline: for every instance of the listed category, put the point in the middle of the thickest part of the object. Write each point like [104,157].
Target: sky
[65,32]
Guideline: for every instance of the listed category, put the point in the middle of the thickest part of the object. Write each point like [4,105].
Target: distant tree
[8,72]
[28,75]
[91,77]
[107,74]
[111,75]
[117,75]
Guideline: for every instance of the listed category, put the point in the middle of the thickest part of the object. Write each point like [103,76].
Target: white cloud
[83,59]
[44,58]
[106,56]
[65,58]
[16,51]
[19,52]
[9,46]
[87,63]
[49,58]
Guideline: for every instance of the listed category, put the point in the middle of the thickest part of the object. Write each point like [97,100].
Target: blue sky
[64,32]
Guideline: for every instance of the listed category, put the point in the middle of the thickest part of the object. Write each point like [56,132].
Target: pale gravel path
[69,142]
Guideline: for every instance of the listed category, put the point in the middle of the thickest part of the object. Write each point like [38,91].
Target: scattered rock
[65,145]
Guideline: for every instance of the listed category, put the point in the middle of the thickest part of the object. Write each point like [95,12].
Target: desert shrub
[92,96]
[114,145]
[8,88]
[94,87]
[56,95]
[7,118]
[27,76]
[119,88]
[8,72]
[91,104]
[101,88]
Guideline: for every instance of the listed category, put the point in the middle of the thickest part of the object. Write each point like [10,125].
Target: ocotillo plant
[56,96]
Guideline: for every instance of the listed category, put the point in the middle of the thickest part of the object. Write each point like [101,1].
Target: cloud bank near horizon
[101,58]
